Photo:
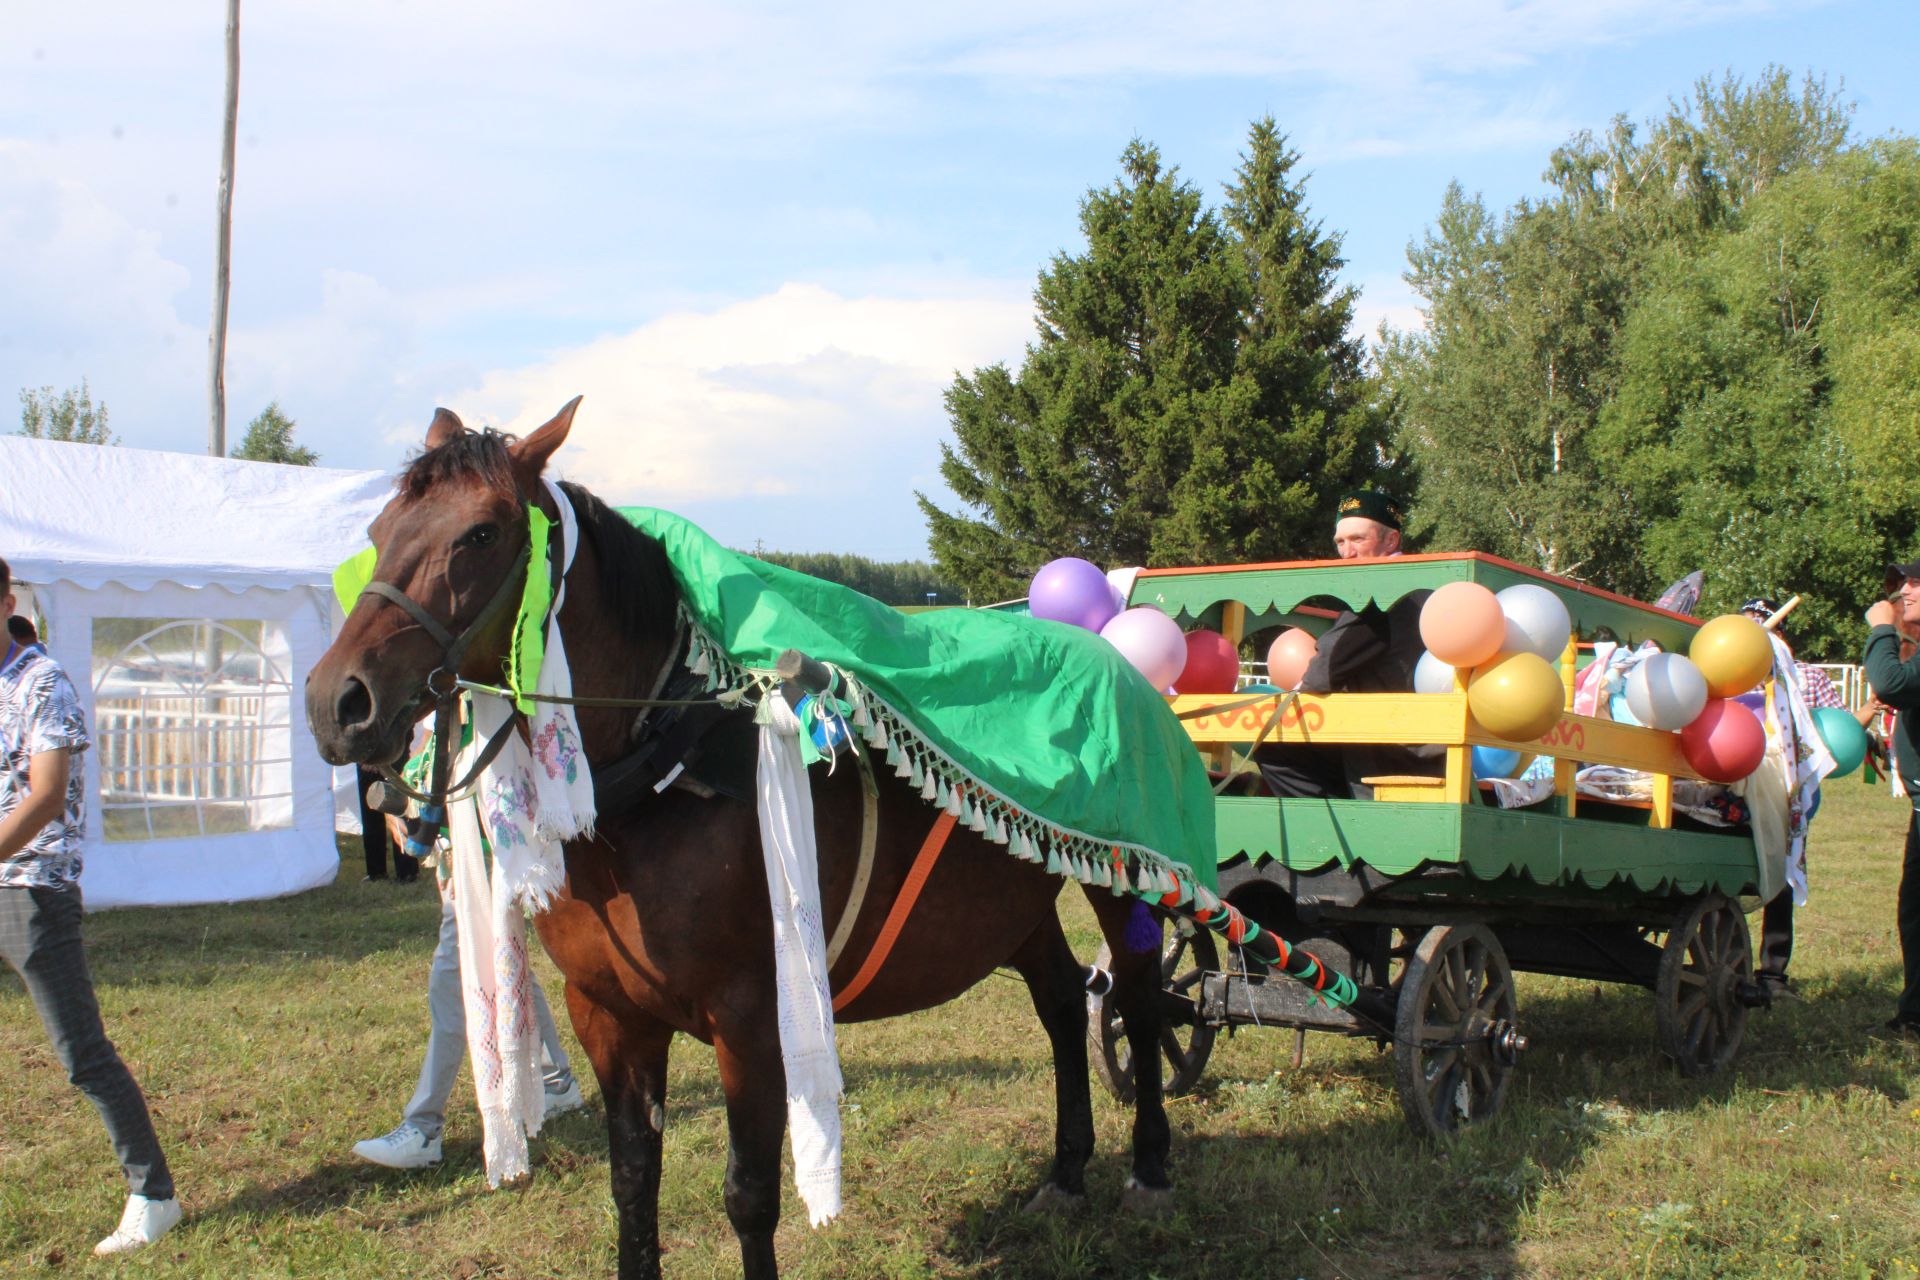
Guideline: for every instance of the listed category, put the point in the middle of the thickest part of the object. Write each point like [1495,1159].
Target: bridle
[443,685]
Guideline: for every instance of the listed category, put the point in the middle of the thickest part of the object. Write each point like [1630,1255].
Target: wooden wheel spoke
[1170,1045]
[1492,997]
[1693,978]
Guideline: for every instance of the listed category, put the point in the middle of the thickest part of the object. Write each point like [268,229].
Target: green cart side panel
[1270,592]
[1584,854]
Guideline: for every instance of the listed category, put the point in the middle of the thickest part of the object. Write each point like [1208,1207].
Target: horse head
[449,548]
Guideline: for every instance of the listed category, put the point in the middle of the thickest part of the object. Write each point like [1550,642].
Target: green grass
[271,1036]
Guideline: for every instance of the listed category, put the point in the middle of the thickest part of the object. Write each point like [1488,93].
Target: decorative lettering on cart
[1565,734]
[1309,715]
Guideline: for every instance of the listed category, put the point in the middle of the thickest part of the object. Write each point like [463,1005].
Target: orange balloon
[1517,697]
[1462,624]
[1733,653]
[1288,656]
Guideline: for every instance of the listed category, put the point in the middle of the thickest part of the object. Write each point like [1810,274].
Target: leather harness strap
[863,871]
[902,906]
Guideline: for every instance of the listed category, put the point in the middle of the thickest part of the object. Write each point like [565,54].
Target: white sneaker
[558,1104]
[143,1222]
[405,1148]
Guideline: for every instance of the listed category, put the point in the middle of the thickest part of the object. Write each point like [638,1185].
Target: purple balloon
[1754,702]
[1073,591]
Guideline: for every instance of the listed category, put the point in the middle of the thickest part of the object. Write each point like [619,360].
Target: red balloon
[1213,664]
[1725,742]
[1288,656]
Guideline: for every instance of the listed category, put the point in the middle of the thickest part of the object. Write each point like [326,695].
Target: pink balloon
[1213,664]
[1072,591]
[1725,742]
[1151,641]
[1288,656]
[1462,624]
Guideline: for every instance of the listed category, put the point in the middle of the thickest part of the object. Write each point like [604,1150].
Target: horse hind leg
[1136,994]
[1054,981]
[629,1056]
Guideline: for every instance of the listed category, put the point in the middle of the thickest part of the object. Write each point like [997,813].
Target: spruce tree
[1192,394]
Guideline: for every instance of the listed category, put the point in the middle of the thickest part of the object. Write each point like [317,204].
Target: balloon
[1430,675]
[1666,691]
[1844,738]
[1733,653]
[1494,762]
[1518,696]
[1151,641]
[1213,664]
[1536,621]
[829,732]
[1754,702]
[1461,624]
[1288,656]
[1073,591]
[1725,742]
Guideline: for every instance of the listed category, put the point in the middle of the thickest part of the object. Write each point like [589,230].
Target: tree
[896,582]
[1510,399]
[1192,394]
[71,415]
[269,438]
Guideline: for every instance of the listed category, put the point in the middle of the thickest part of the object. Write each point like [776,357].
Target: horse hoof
[1051,1199]
[1145,1201]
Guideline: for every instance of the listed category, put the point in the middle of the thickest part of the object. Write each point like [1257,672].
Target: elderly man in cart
[1372,651]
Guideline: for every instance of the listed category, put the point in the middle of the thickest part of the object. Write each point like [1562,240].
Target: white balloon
[1151,641]
[1536,621]
[1666,691]
[1430,675]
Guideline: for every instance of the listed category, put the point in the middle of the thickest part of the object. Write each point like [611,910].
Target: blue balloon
[1494,762]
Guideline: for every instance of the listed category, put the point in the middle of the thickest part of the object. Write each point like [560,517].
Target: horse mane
[479,455]
[638,580]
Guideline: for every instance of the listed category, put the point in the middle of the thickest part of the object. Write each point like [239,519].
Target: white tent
[188,597]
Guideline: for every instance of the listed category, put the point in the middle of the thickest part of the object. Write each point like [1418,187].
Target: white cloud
[800,392]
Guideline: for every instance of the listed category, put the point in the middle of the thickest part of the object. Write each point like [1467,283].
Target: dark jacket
[1372,651]
[1897,684]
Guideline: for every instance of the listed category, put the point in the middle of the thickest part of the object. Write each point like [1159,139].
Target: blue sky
[760,239]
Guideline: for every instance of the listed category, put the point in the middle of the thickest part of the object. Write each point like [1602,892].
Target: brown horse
[664,923]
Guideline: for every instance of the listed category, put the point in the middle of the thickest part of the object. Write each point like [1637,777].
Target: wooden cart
[1430,895]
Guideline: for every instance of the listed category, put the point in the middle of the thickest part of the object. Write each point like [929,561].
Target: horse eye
[481,535]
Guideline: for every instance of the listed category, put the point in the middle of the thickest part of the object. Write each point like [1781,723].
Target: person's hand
[1881,614]
[446,886]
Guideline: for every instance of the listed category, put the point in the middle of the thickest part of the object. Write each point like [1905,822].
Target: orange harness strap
[897,918]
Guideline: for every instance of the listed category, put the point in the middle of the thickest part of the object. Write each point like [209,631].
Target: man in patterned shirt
[42,818]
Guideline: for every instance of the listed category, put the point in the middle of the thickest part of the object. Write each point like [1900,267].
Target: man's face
[1910,598]
[1357,536]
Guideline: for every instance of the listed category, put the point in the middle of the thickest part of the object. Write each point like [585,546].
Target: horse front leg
[1059,998]
[753,1076]
[1136,994]
[628,1051]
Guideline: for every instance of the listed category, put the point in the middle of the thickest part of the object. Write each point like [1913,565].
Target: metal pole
[223,246]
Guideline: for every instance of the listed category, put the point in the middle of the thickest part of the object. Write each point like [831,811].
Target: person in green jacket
[1897,684]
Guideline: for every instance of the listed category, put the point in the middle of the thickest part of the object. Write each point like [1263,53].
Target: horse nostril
[354,707]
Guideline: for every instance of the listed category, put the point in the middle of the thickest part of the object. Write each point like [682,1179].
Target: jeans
[1908,916]
[40,938]
[447,1043]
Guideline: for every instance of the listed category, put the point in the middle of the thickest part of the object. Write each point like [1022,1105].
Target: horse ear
[445,426]
[531,454]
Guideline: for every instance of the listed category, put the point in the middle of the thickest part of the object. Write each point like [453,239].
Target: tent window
[191,726]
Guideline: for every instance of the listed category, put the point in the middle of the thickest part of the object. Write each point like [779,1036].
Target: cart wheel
[1185,1043]
[1455,1044]
[1708,959]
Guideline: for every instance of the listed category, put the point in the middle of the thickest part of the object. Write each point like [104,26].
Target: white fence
[177,763]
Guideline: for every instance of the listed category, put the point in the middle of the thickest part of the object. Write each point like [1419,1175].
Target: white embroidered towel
[807,1045]
[561,776]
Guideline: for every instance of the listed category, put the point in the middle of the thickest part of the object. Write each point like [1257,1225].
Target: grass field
[271,1036]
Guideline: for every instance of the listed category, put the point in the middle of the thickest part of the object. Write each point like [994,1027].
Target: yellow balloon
[1518,696]
[1733,653]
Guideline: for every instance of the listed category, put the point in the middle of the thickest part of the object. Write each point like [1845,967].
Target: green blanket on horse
[1035,733]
